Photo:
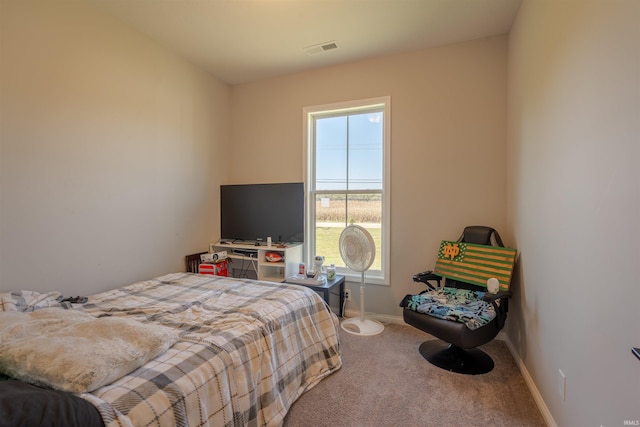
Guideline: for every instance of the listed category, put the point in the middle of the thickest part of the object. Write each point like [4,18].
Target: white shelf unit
[265,270]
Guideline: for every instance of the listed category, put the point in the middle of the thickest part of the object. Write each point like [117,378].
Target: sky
[362,134]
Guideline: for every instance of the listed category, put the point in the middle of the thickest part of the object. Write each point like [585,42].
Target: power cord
[344,307]
[254,264]
[244,270]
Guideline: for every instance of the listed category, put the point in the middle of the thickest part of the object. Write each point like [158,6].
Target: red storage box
[220,268]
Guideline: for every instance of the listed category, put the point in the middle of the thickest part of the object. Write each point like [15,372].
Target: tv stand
[249,257]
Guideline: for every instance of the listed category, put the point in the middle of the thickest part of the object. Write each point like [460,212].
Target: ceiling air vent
[320,48]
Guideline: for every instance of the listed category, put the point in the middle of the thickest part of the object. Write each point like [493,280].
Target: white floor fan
[358,251]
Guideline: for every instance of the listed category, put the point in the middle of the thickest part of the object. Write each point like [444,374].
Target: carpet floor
[384,381]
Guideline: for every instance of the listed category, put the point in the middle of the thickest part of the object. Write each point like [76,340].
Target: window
[347,179]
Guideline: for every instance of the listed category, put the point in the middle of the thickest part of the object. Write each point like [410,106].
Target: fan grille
[357,248]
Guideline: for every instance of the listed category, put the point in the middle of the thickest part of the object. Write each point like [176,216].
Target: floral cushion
[459,305]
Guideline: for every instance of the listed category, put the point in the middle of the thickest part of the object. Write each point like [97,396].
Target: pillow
[73,351]
[28,300]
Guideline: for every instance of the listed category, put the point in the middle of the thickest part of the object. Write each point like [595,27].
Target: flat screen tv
[251,212]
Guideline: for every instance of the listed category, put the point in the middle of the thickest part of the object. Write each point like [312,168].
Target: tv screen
[257,211]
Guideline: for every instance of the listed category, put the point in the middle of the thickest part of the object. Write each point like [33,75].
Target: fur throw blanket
[74,351]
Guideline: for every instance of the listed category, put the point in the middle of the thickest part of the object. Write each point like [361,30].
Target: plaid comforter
[247,351]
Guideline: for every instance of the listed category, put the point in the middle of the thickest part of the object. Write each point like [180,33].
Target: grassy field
[334,211]
[327,244]
[363,208]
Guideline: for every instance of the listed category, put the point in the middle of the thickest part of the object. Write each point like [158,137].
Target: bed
[238,352]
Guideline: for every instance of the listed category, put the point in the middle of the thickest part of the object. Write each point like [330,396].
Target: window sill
[369,279]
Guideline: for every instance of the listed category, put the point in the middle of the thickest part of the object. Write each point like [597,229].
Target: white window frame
[373,277]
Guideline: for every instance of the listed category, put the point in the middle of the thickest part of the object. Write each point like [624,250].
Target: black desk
[332,291]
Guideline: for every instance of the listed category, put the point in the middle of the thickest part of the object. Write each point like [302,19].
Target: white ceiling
[240,41]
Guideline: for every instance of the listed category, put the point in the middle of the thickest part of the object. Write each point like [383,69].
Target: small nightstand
[332,291]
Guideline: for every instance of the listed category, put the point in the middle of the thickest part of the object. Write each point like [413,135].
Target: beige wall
[448,120]
[574,204]
[108,151]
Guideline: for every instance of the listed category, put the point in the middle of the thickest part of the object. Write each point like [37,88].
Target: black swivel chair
[455,350]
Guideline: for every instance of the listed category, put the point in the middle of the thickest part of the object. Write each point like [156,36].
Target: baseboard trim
[384,318]
[544,410]
[546,414]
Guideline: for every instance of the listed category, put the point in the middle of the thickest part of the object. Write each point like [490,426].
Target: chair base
[455,359]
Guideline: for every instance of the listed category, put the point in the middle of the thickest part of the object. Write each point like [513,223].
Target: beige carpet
[384,381]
